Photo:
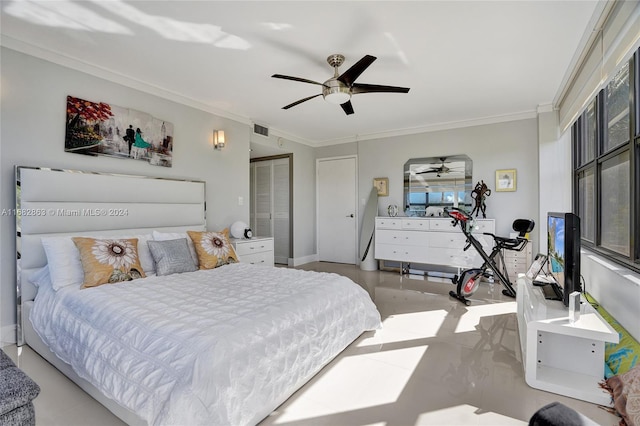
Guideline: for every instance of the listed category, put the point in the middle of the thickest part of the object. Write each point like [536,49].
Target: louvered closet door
[252,196]
[281,226]
[263,199]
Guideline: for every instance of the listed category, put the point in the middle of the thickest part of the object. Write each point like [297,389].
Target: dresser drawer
[250,246]
[388,223]
[444,225]
[261,258]
[485,225]
[447,240]
[415,224]
[410,238]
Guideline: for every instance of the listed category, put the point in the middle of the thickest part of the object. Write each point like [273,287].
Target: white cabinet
[432,241]
[517,262]
[257,250]
[559,356]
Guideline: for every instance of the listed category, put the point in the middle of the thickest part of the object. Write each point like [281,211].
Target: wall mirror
[432,183]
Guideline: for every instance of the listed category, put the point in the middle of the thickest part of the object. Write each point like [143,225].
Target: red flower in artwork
[79,109]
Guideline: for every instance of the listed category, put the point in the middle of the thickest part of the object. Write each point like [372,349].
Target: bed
[225,345]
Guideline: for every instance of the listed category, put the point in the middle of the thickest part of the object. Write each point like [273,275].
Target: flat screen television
[563,245]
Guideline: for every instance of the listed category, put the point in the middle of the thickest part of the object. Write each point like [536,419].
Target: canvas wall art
[97,128]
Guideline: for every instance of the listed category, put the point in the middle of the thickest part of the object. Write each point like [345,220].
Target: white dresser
[257,250]
[517,262]
[432,241]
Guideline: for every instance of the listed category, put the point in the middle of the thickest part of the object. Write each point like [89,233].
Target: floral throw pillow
[107,261]
[214,248]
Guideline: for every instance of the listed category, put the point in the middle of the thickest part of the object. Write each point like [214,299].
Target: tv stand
[558,356]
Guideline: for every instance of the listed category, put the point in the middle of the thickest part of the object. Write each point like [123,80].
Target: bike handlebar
[457,214]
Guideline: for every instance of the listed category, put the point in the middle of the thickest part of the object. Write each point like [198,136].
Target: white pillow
[164,236]
[65,267]
[41,277]
[63,259]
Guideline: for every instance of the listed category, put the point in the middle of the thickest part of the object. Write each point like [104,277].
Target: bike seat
[522,226]
[509,243]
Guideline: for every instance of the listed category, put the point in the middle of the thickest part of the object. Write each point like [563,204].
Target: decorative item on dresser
[257,250]
[432,241]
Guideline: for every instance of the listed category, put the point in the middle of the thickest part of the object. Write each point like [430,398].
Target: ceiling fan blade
[371,88]
[301,101]
[349,76]
[347,107]
[302,80]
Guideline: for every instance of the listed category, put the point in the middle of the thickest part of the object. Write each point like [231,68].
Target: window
[605,140]
[614,204]
[587,203]
[617,110]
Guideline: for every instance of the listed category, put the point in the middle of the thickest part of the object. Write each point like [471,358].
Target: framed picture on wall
[506,180]
[383,186]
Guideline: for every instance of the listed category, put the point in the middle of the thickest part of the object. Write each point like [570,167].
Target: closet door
[270,208]
[263,200]
[280,214]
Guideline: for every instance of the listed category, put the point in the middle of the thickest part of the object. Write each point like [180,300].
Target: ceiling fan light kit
[336,94]
[339,89]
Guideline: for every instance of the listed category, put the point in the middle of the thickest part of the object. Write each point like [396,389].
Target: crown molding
[112,76]
[524,115]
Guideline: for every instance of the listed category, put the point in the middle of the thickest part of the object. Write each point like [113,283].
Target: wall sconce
[218,139]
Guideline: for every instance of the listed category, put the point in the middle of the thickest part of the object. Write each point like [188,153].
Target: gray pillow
[172,256]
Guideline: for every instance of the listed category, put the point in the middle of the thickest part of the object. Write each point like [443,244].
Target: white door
[337,215]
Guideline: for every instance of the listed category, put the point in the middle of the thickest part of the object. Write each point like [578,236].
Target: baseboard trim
[297,261]
[8,335]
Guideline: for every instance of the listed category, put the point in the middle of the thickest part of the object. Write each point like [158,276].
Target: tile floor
[435,362]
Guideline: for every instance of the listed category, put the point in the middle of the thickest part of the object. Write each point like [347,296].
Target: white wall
[32,134]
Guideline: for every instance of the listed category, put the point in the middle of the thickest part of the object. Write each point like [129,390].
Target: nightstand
[257,250]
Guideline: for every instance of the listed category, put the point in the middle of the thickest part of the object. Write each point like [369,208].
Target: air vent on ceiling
[260,130]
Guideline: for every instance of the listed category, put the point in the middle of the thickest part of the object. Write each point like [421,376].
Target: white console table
[427,240]
[558,356]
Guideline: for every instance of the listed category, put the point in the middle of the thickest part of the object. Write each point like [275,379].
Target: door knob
[350,215]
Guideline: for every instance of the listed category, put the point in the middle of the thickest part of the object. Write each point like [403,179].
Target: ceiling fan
[339,88]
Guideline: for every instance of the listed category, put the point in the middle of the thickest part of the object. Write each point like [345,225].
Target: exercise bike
[469,279]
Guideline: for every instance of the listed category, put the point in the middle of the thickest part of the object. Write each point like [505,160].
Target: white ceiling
[465,61]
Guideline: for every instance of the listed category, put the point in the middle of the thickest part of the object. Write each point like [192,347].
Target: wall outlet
[241,201]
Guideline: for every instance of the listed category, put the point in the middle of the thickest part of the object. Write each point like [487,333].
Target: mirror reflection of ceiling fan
[442,169]
[339,88]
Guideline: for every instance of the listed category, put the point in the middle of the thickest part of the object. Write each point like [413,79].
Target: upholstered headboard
[54,202]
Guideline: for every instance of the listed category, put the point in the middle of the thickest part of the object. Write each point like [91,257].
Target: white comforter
[223,346]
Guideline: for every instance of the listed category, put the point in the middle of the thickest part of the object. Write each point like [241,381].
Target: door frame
[357,205]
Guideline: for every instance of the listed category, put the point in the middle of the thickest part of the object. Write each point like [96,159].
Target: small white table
[558,356]
[256,250]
